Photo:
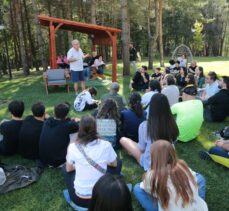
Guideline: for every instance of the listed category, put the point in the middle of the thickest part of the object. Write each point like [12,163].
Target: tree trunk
[69,17]
[21,38]
[93,11]
[150,38]
[30,36]
[125,37]
[161,33]
[40,43]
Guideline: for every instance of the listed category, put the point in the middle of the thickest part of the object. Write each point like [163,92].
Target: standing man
[133,57]
[75,57]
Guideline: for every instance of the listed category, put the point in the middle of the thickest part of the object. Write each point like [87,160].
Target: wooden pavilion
[100,35]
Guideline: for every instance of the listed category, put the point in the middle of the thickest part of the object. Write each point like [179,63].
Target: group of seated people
[93,65]
[147,127]
[212,91]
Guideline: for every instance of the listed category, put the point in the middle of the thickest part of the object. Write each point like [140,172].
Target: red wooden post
[53,46]
[114,57]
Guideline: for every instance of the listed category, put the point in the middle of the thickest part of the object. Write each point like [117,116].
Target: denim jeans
[149,203]
[87,73]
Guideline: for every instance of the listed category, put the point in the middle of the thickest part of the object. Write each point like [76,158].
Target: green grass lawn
[46,194]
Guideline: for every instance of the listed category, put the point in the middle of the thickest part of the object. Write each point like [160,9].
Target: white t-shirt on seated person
[81,100]
[78,55]
[86,176]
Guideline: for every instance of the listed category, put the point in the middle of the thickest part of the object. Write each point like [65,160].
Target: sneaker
[204,155]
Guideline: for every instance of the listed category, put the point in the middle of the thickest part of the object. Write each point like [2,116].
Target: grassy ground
[46,194]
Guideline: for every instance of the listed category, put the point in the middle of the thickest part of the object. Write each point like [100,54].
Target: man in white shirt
[170,90]
[212,86]
[75,57]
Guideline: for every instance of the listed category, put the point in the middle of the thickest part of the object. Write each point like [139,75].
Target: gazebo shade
[100,35]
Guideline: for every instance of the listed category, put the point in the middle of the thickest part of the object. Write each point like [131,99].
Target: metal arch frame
[180,46]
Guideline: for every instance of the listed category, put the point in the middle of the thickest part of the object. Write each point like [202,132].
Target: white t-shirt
[197,204]
[172,93]
[81,100]
[97,63]
[146,100]
[86,175]
[76,65]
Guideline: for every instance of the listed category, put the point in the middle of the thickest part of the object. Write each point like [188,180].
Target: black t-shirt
[192,68]
[156,76]
[133,54]
[29,138]
[10,131]
[54,140]
[92,60]
[138,79]
[219,105]
[181,80]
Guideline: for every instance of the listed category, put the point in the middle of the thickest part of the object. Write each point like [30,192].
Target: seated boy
[10,129]
[141,79]
[30,132]
[55,138]
[84,101]
[189,114]
[157,74]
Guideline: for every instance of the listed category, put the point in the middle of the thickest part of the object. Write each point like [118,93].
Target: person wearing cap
[189,114]
[113,94]
[216,108]
[140,80]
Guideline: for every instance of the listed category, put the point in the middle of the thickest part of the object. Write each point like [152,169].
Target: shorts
[77,76]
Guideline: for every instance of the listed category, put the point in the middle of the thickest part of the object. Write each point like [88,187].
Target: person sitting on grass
[218,153]
[108,122]
[176,69]
[55,138]
[212,86]
[180,78]
[10,129]
[155,87]
[200,78]
[170,90]
[84,101]
[113,94]
[157,74]
[190,80]
[192,67]
[111,193]
[140,81]
[189,114]
[30,132]
[99,66]
[216,108]
[88,158]
[160,125]
[170,184]
[132,117]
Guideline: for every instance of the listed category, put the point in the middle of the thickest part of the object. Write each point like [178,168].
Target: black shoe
[204,155]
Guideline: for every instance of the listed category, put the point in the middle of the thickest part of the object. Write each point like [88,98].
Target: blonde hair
[75,41]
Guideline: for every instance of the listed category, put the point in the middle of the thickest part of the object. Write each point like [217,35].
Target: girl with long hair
[87,159]
[132,117]
[160,125]
[200,78]
[108,121]
[170,185]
